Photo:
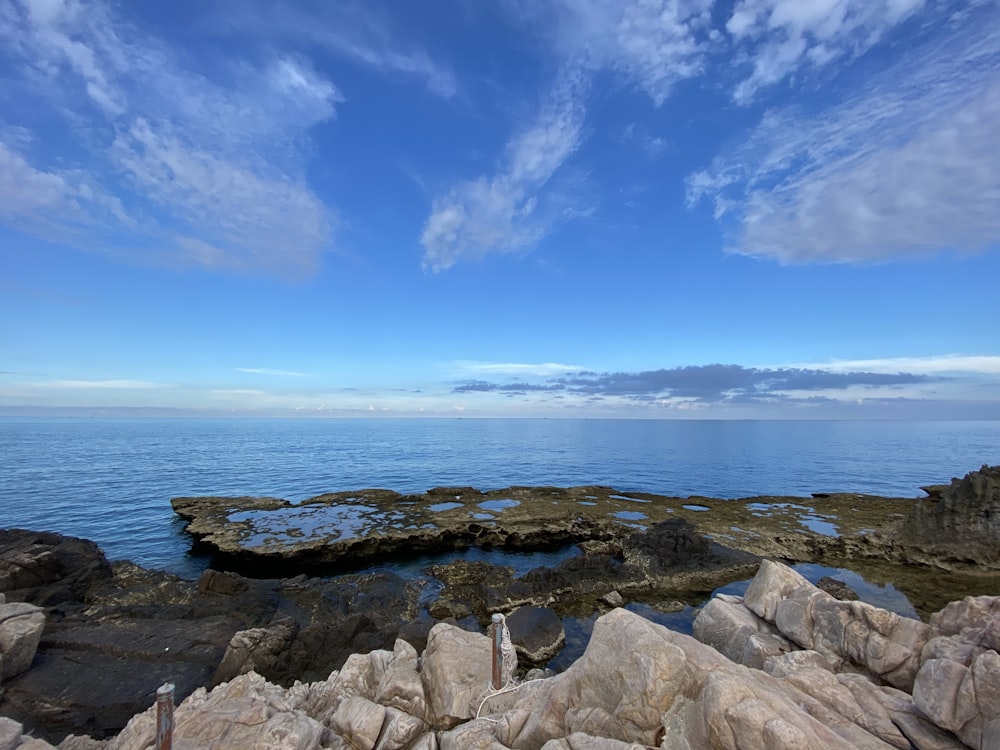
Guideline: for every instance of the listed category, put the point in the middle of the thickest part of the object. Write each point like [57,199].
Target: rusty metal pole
[497,653]
[165,717]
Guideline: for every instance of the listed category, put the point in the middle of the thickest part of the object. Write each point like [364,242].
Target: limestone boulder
[881,642]
[772,583]
[640,683]
[21,627]
[456,672]
[244,713]
[10,733]
[958,685]
[737,633]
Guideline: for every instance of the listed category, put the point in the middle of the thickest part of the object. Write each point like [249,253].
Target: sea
[111,480]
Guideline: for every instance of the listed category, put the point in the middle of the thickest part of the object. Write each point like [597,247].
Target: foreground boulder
[851,656]
[21,626]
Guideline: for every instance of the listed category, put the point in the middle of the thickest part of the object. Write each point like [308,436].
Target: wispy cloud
[356,30]
[778,37]
[208,173]
[652,44]
[906,168]
[120,384]
[510,210]
[270,371]
[948,363]
[515,369]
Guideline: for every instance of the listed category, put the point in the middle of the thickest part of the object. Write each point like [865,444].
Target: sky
[539,208]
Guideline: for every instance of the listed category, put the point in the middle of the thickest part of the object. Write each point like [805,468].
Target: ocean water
[111,480]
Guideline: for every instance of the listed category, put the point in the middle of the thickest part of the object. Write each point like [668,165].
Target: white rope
[508,666]
[508,669]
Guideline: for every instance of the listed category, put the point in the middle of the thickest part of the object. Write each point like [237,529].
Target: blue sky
[602,208]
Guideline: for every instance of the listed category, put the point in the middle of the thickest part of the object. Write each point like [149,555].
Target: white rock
[457,670]
[772,583]
[21,627]
[10,733]
[359,721]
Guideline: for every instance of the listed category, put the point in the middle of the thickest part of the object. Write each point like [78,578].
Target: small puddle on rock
[630,515]
[499,505]
[438,507]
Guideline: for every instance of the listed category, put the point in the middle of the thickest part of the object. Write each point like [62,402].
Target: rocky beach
[302,635]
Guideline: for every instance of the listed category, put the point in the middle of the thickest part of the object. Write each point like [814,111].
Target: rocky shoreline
[110,634]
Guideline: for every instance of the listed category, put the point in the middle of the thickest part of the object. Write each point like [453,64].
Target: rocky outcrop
[352,529]
[960,522]
[46,569]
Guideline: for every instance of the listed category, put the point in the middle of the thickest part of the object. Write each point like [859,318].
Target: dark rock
[666,546]
[961,521]
[100,662]
[837,589]
[613,599]
[47,569]
[256,649]
[537,634]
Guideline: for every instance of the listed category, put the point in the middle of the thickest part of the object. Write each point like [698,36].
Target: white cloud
[653,43]
[908,167]
[932,365]
[270,371]
[120,384]
[780,36]
[516,369]
[210,174]
[248,219]
[352,30]
[507,211]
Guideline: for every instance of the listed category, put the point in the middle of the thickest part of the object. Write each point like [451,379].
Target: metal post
[497,654]
[165,717]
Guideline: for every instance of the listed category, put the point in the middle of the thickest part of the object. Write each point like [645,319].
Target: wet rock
[665,545]
[613,599]
[837,589]
[537,634]
[353,529]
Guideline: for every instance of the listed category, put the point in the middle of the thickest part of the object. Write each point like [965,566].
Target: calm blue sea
[111,480]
